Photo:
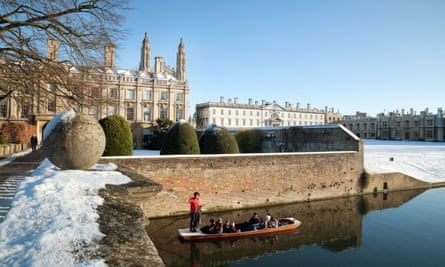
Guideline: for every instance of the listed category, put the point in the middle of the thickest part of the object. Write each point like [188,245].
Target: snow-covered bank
[52,221]
[422,160]
[54,212]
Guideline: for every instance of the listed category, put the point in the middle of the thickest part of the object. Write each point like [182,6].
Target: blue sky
[350,55]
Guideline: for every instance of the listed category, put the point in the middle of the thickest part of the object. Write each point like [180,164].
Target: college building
[232,114]
[412,126]
[141,96]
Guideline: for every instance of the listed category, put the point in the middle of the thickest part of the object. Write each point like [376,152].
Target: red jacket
[194,204]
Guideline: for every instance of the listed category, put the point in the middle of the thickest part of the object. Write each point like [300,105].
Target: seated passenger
[267,220]
[233,228]
[271,221]
[255,222]
[227,227]
[219,228]
[210,228]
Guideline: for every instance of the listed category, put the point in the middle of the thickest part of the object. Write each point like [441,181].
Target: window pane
[179,97]
[147,114]
[130,93]
[163,114]
[179,114]
[113,92]
[147,95]
[130,113]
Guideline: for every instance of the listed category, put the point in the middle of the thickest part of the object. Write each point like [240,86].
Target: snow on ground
[422,160]
[53,214]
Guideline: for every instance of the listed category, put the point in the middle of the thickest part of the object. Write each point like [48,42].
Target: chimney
[109,56]
[53,49]
[159,64]
[221,99]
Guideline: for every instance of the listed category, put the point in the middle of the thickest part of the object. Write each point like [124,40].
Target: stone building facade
[140,95]
[413,126]
[232,114]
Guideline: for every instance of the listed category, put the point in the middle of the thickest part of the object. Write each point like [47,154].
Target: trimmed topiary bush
[249,141]
[119,139]
[181,138]
[217,140]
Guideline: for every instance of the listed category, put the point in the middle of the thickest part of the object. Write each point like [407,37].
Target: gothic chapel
[140,96]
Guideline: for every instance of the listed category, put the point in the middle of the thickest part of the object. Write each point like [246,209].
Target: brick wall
[245,180]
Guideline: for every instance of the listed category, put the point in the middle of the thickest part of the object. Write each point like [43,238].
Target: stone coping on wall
[228,155]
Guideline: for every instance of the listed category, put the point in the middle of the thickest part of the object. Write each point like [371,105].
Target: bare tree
[80,29]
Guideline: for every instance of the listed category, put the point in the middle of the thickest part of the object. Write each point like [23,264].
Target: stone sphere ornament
[73,141]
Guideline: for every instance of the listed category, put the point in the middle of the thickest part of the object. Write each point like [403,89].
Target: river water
[404,228]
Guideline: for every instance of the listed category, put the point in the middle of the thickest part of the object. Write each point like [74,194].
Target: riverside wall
[242,180]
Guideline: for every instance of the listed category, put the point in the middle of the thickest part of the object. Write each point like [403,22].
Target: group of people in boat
[218,227]
[254,223]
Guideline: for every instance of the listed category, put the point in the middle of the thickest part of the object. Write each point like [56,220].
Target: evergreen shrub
[119,139]
[217,140]
[249,141]
[181,138]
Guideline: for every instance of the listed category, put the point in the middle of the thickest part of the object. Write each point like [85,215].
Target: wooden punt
[285,224]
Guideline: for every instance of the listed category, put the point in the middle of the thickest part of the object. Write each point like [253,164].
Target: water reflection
[334,224]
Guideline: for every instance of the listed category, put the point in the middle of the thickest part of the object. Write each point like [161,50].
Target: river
[399,228]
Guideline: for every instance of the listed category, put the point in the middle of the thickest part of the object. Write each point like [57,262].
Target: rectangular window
[51,106]
[163,113]
[130,94]
[130,113]
[51,88]
[113,92]
[180,97]
[95,92]
[179,113]
[147,114]
[214,111]
[24,112]
[164,96]
[222,111]
[147,95]
[3,110]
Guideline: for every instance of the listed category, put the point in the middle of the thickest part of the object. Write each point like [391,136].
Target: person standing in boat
[195,212]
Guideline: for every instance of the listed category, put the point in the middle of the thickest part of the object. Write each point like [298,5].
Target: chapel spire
[145,54]
[180,62]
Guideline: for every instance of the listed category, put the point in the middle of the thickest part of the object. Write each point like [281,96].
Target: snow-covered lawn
[54,213]
[422,160]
